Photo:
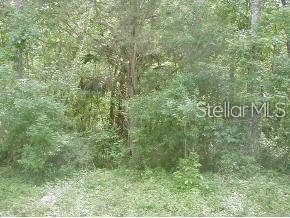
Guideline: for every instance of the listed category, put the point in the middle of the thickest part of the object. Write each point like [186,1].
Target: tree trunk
[232,82]
[254,131]
[19,59]
[288,46]
[133,87]
[112,107]
[121,111]
[113,98]
[285,4]
[255,9]
[132,83]
[17,4]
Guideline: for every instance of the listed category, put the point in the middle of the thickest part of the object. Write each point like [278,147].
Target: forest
[145,108]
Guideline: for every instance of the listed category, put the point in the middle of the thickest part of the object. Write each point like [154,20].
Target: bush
[274,154]
[165,125]
[106,146]
[34,129]
[187,174]
[236,163]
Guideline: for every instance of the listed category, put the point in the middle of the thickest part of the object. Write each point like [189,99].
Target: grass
[128,193]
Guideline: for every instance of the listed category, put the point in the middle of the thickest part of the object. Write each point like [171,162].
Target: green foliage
[273,156]
[165,127]
[120,193]
[235,163]
[187,174]
[107,148]
[34,129]
[76,80]
[12,187]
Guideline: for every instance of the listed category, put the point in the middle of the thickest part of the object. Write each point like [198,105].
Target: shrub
[274,154]
[165,125]
[187,174]
[34,128]
[238,164]
[106,146]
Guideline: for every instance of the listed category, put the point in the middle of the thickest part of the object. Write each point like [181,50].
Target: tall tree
[285,4]
[19,62]
[253,73]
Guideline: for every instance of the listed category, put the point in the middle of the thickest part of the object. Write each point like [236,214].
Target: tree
[285,4]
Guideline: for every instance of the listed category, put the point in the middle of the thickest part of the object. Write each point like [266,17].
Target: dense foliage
[123,107]
[115,83]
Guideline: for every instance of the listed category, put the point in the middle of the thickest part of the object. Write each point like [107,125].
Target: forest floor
[127,193]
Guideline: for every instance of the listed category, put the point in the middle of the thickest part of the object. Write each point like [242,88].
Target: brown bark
[112,108]
[113,98]
[132,89]
[133,85]
[120,119]
[288,46]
